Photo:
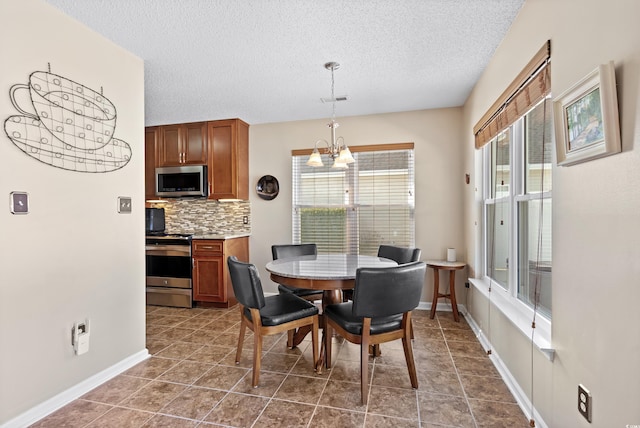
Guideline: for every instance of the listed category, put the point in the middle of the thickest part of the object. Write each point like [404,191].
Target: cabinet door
[222,162]
[194,144]
[228,145]
[208,279]
[170,150]
[150,148]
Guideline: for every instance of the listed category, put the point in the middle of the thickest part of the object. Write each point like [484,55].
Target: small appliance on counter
[168,263]
[154,220]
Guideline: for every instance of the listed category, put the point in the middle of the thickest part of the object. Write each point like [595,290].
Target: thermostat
[19,202]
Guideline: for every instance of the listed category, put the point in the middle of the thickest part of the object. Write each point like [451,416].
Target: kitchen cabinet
[151,135]
[211,281]
[228,163]
[182,144]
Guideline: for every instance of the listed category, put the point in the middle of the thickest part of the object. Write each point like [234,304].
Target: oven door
[168,266]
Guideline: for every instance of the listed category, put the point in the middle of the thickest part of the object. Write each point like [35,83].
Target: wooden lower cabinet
[211,281]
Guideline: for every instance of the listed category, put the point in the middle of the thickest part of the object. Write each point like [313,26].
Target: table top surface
[443,264]
[325,266]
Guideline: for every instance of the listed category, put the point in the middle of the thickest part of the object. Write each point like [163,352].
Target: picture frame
[586,119]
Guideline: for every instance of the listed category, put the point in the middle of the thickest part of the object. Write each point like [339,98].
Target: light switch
[19,202]
[124,204]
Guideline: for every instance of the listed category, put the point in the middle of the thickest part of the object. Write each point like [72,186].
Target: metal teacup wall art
[71,126]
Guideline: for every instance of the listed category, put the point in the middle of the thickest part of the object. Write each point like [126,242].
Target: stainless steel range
[169,266]
[168,258]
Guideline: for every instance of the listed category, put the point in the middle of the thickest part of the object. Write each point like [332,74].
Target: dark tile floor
[191,380]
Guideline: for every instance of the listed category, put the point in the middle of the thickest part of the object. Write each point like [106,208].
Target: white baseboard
[51,405]
[518,393]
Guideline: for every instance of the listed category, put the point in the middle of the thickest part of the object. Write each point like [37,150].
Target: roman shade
[529,87]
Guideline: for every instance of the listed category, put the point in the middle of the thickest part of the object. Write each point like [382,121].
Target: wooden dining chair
[377,314]
[400,255]
[267,315]
[285,251]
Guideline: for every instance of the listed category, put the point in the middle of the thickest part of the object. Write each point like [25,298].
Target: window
[518,209]
[355,210]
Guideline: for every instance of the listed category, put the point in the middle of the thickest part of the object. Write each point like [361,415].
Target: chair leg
[364,361]
[326,332]
[411,326]
[408,355]
[290,334]
[243,329]
[314,341]
[257,357]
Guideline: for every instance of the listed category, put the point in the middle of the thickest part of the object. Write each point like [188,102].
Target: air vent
[338,98]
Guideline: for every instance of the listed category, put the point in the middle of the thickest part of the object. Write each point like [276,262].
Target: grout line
[455,367]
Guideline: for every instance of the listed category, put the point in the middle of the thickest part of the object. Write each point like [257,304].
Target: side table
[452,267]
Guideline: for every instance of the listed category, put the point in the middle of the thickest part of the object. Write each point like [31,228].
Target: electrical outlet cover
[19,202]
[584,402]
[124,204]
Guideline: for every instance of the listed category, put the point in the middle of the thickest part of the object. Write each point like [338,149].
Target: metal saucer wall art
[72,128]
[268,187]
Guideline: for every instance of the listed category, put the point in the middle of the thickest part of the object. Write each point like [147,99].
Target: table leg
[436,286]
[329,297]
[452,294]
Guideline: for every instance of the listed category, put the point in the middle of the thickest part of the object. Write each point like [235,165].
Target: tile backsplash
[204,216]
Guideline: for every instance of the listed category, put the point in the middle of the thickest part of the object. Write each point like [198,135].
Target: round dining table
[330,273]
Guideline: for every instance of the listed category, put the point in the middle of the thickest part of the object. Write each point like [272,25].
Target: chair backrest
[372,296]
[400,255]
[246,283]
[293,250]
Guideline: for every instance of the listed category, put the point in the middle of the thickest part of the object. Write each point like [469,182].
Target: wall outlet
[584,402]
[80,337]
[245,219]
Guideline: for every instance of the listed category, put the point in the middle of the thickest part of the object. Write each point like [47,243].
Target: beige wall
[439,177]
[596,228]
[73,256]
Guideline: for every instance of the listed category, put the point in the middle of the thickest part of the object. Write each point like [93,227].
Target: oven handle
[168,250]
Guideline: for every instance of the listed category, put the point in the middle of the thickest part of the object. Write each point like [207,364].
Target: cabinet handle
[208,247]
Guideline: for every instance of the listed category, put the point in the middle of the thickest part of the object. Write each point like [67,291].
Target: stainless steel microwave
[179,181]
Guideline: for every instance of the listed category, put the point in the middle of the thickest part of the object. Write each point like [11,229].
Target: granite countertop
[221,235]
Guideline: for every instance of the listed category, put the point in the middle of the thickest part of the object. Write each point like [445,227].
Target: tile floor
[191,380]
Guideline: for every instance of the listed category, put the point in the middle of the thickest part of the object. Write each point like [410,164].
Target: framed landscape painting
[586,118]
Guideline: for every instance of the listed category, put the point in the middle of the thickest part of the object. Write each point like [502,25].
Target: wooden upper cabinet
[151,135]
[228,150]
[183,144]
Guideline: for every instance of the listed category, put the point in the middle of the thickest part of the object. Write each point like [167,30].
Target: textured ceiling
[263,60]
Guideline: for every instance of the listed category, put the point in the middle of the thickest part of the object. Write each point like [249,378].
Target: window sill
[519,314]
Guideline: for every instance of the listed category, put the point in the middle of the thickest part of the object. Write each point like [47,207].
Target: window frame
[519,312]
[351,201]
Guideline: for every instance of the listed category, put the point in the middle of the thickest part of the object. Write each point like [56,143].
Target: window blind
[355,210]
[528,89]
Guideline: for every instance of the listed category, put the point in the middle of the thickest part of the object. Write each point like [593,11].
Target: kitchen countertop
[221,235]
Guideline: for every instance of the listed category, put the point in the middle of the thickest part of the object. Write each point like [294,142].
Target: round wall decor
[267,187]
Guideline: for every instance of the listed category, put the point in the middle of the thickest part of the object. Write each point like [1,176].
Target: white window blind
[355,210]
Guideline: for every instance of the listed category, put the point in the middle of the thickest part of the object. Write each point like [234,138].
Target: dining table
[330,273]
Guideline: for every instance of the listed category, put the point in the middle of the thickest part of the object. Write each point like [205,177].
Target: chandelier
[337,148]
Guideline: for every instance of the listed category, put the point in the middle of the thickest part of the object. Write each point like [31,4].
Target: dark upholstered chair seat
[283,308]
[342,314]
[302,292]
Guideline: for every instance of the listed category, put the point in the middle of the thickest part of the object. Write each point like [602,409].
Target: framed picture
[586,118]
